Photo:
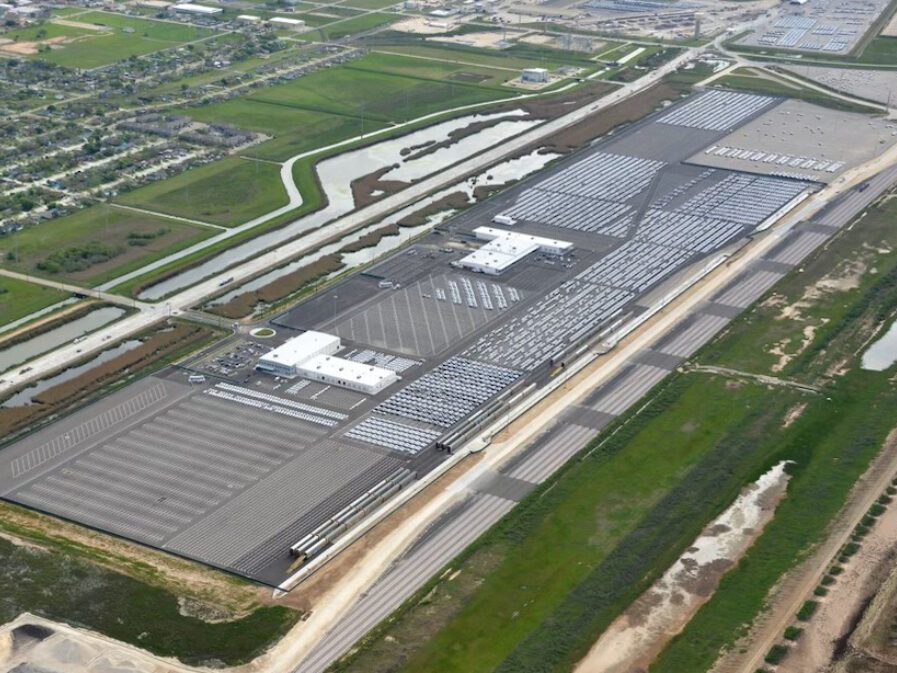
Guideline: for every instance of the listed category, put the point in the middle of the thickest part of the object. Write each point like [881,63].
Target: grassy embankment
[19,298]
[535,592]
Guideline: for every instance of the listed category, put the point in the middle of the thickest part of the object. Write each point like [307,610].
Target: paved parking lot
[234,470]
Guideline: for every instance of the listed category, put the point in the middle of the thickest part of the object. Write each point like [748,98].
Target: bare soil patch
[80,24]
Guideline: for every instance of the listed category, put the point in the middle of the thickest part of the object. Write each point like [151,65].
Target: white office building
[506,248]
[199,10]
[349,374]
[311,355]
[286,359]
[535,75]
[286,22]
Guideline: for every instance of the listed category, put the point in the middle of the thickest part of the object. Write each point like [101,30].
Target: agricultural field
[93,39]
[19,298]
[96,244]
[227,192]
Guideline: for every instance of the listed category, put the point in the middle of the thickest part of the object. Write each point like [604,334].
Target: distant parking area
[828,27]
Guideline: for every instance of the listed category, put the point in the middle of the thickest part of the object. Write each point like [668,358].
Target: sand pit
[30,48]
[486,40]
[891,29]
[79,24]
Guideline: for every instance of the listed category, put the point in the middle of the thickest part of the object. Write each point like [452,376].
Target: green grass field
[19,298]
[295,130]
[44,31]
[351,91]
[105,224]
[437,70]
[483,57]
[370,4]
[226,192]
[355,25]
[342,102]
[109,43]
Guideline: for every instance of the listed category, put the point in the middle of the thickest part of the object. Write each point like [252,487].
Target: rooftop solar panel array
[449,393]
[717,110]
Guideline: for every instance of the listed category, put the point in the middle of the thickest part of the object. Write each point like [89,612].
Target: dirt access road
[798,585]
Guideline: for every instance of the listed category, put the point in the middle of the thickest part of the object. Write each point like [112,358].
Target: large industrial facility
[370,383]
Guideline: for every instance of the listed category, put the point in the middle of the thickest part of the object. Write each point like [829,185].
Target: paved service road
[77,289]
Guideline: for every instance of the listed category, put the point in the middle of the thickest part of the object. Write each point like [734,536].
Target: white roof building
[248,18]
[506,248]
[286,358]
[311,355]
[535,75]
[286,22]
[348,374]
[190,8]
